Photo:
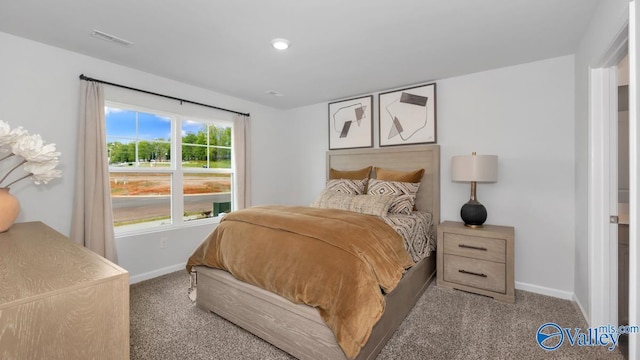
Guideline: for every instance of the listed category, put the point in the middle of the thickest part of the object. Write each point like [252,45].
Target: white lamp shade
[479,168]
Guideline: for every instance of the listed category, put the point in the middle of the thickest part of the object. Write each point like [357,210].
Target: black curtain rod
[86,78]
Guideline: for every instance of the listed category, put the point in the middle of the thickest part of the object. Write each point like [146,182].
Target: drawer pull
[472,273]
[472,247]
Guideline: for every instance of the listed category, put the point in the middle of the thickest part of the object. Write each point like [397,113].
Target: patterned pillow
[364,204]
[347,186]
[404,194]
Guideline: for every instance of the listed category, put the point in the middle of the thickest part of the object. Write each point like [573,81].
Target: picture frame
[351,123]
[408,116]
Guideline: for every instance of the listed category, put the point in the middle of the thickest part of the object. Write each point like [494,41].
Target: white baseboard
[566,295]
[155,273]
[584,313]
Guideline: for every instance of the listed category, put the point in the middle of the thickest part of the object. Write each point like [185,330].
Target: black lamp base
[473,214]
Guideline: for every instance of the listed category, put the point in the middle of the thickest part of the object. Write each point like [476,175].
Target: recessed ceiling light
[280,44]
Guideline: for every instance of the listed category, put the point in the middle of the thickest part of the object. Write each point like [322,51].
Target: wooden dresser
[478,260]
[59,300]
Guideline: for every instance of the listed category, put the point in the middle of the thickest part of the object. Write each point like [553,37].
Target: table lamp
[474,168]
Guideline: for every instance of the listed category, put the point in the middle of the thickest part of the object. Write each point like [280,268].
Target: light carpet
[444,324]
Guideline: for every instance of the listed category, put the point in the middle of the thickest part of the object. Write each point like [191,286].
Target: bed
[298,328]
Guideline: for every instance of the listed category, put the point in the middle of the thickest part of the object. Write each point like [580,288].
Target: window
[143,147]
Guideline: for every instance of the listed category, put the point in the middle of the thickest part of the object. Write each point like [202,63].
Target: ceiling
[339,48]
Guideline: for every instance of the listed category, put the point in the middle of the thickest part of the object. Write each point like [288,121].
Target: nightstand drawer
[481,274]
[476,247]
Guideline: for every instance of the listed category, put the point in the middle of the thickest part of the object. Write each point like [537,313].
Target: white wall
[310,124]
[609,19]
[525,115]
[39,90]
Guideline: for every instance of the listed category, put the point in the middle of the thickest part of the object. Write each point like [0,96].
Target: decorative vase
[9,209]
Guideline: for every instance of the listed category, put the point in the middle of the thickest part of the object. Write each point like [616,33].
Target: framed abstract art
[351,123]
[408,116]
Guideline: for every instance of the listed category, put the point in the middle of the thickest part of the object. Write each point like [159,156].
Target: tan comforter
[334,260]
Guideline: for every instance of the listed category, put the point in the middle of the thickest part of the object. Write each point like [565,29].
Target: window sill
[169,227]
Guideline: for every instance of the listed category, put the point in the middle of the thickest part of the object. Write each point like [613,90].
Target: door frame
[602,189]
[634,178]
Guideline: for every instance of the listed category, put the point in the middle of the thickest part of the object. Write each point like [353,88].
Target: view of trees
[158,150]
[193,149]
[213,140]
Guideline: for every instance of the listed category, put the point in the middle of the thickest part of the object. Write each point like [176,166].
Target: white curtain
[92,222]
[242,161]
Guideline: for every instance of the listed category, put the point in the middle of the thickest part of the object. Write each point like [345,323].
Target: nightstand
[478,260]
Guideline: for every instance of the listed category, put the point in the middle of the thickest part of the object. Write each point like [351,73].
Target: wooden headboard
[401,158]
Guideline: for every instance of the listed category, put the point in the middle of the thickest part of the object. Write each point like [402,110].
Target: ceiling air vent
[107,37]
[274,93]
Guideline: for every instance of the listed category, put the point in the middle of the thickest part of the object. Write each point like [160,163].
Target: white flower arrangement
[39,159]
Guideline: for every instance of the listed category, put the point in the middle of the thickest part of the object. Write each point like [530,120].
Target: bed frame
[297,328]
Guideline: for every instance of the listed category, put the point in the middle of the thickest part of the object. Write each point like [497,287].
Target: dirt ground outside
[138,196]
[131,184]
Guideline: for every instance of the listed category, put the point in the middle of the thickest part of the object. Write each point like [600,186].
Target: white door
[603,188]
